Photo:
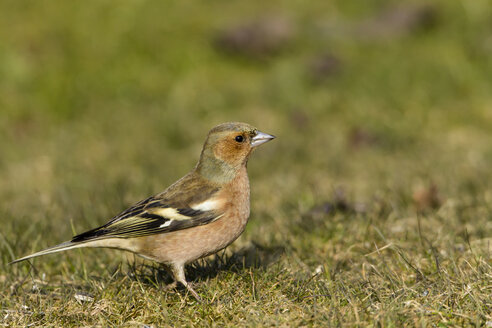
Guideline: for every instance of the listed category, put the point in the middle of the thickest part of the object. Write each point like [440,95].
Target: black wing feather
[138,221]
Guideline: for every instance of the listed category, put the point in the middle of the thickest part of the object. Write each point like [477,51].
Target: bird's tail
[58,248]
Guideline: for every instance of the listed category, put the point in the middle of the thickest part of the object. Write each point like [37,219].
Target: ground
[372,207]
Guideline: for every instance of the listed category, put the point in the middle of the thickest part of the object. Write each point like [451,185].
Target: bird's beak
[261,138]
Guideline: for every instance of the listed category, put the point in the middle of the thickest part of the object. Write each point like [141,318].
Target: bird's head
[227,149]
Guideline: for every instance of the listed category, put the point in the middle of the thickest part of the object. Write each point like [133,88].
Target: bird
[198,215]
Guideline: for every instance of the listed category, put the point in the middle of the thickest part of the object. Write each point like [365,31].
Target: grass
[372,207]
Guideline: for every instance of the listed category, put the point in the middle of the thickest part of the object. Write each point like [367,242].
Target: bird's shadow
[252,256]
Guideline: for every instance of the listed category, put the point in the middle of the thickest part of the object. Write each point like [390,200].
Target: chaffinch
[198,215]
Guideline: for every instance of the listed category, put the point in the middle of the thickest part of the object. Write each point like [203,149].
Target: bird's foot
[174,285]
[192,291]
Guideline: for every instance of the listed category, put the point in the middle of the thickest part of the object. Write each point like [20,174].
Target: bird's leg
[179,276]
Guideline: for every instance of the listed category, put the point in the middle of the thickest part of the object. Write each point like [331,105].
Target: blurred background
[379,106]
[376,191]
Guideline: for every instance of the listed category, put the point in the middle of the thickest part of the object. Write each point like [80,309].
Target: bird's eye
[239,138]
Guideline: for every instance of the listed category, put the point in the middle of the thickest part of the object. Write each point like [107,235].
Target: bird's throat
[215,170]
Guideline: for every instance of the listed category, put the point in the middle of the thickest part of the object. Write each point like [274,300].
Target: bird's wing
[150,216]
[185,204]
